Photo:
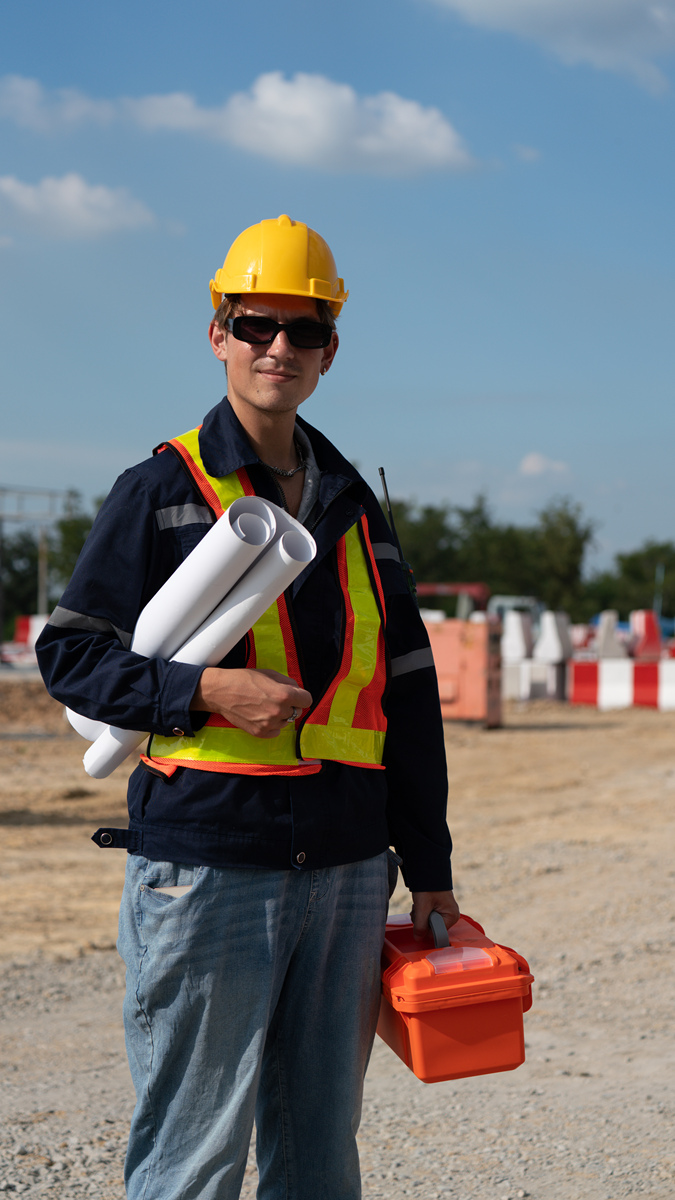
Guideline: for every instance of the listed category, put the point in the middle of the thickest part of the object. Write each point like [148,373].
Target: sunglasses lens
[309,335]
[258,331]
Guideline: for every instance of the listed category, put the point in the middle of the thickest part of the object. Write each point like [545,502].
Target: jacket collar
[225,448]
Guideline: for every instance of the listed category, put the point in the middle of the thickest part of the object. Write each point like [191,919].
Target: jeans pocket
[173,891]
[169,881]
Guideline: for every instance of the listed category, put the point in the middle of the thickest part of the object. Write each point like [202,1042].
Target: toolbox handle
[437,927]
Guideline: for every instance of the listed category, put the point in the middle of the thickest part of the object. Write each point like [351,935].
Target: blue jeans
[255,994]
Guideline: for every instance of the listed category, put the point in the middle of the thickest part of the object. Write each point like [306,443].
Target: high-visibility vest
[346,723]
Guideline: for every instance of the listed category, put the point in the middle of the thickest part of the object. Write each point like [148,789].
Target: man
[260,815]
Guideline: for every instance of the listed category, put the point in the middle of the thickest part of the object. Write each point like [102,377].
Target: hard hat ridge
[280,256]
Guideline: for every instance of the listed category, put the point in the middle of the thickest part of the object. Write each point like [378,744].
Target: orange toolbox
[453,1007]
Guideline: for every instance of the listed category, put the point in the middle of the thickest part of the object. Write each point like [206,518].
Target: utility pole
[28,506]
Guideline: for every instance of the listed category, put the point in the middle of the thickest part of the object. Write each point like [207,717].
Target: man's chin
[272,399]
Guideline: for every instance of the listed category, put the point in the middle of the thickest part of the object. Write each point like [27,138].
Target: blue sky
[495,178]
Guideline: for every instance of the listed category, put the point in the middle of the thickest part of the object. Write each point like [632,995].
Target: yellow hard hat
[284,257]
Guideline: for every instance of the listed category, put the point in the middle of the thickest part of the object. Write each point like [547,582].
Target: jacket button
[105,839]
[300,858]
[178,732]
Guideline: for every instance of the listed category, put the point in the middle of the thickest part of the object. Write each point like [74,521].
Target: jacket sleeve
[83,652]
[414,752]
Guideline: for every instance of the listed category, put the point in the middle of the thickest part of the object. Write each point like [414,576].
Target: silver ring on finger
[293,717]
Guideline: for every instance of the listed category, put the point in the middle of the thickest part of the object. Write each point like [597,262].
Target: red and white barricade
[622,683]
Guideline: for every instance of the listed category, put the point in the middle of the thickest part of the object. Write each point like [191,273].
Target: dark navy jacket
[151,520]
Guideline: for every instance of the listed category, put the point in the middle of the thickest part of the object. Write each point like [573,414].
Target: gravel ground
[589,1114]
[564,849]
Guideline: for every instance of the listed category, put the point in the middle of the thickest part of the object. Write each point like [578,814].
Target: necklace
[289,474]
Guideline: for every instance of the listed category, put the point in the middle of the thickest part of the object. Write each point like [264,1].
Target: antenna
[387,501]
[407,569]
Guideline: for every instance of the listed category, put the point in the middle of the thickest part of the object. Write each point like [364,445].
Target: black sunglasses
[261,331]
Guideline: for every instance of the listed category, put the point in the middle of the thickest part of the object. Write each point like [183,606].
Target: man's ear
[218,340]
[329,353]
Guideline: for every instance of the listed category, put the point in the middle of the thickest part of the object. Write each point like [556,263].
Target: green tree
[19,578]
[428,539]
[562,538]
[20,560]
[468,545]
[68,537]
[631,583]
[502,556]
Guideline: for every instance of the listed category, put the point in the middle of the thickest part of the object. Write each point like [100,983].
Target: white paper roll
[249,599]
[215,565]
[217,562]
[85,726]
[245,603]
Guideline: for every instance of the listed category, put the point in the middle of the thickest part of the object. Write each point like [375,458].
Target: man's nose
[281,346]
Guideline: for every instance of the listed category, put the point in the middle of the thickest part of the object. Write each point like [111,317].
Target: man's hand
[425,903]
[259,702]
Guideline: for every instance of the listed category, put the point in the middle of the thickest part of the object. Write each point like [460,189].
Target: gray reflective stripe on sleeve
[65,618]
[385,550]
[183,514]
[412,662]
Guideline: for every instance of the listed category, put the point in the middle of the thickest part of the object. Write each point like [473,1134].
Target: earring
[323,370]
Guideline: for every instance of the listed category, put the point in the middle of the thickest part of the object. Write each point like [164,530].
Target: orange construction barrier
[467,657]
[453,1011]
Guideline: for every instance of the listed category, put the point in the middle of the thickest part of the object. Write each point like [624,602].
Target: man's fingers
[425,903]
[258,701]
[296,696]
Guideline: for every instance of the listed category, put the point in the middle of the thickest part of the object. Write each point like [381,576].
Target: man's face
[275,378]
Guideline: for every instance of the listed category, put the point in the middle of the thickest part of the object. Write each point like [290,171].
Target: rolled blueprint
[85,726]
[208,573]
[270,575]
[251,597]
[217,562]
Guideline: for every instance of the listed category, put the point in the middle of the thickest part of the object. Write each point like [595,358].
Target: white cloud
[29,105]
[539,464]
[306,121]
[528,154]
[619,35]
[71,207]
[311,121]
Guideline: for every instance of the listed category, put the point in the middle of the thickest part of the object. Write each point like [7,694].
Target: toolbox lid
[418,977]
[458,958]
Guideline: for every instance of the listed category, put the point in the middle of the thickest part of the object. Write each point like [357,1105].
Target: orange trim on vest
[166,767]
[209,494]
[306,768]
[243,477]
[373,568]
[216,721]
[366,766]
[290,647]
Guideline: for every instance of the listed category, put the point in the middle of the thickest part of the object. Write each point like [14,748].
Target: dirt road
[563,826]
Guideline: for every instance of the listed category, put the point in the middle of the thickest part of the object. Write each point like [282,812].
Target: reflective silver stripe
[385,550]
[412,662]
[65,618]
[183,514]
